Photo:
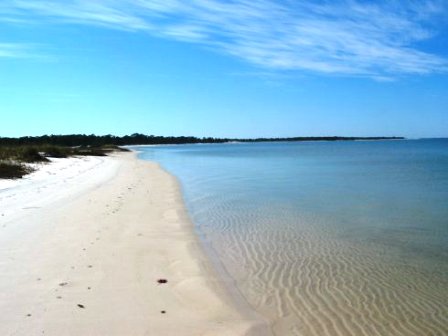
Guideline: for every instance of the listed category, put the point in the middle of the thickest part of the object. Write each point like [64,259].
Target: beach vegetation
[56,151]
[31,154]
[13,170]
[15,158]
[28,154]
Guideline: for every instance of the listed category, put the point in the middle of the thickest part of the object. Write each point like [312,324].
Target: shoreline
[89,262]
[215,266]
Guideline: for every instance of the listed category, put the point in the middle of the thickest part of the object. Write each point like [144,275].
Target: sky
[237,68]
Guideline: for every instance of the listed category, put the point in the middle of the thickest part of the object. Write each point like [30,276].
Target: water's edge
[228,283]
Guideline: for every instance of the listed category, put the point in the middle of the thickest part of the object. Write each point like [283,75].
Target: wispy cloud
[15,50]
[350,37]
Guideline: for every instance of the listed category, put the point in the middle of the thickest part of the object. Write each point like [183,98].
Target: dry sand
[83,243]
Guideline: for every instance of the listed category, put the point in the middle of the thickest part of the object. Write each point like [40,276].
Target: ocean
[325,238]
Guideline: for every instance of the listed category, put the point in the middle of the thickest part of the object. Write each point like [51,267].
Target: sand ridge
[119,259]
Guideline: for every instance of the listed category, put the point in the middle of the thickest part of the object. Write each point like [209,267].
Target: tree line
[73,140]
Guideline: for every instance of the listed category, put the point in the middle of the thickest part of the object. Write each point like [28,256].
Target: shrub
[31,154]
[9,170]
[56,152]
[21,154]
[89,152]
[115,148]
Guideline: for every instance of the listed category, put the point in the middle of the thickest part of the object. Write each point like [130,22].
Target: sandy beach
[103,246]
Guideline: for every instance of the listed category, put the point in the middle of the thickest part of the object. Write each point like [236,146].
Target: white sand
[53,182]
[99,233]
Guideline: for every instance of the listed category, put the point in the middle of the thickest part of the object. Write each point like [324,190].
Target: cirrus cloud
[345,37]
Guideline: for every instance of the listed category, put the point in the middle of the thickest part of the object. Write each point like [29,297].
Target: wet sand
[106,248]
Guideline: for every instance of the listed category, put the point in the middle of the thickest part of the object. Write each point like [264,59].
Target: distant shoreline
[74,140]
[267,141]
[16,154]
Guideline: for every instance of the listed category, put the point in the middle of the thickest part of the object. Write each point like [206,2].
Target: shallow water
[326,238]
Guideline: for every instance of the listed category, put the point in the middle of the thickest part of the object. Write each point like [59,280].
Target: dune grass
[97,150]
[14,159]
[28,154]
[12,170]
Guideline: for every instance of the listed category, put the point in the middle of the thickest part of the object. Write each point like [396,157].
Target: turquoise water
[326,238]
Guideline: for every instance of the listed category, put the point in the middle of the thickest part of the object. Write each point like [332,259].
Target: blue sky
[235,68]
